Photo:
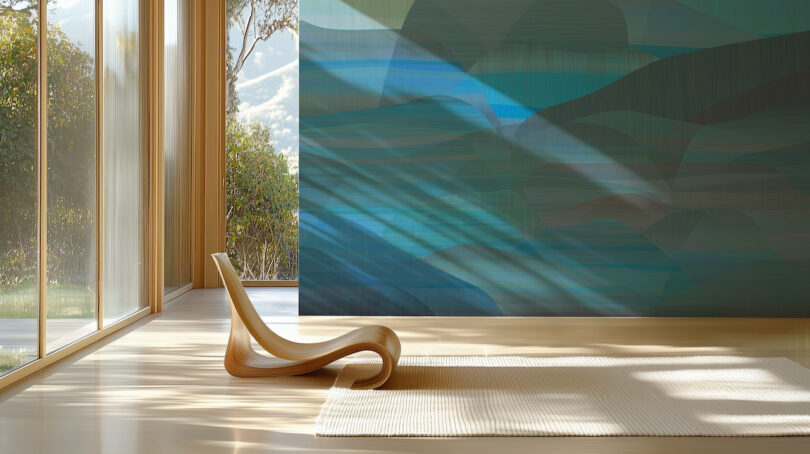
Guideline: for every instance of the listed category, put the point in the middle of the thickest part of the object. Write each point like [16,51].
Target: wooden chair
[292,358]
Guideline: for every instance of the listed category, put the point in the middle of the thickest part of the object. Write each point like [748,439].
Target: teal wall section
[555,157]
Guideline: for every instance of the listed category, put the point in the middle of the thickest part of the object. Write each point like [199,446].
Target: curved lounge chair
[293,358]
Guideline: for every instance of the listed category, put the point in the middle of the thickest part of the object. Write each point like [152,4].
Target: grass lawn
[64,301]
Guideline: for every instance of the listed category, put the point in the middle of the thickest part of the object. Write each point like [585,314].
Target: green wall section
[555,157]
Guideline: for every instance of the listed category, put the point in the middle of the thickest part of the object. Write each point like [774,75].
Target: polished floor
[159,385]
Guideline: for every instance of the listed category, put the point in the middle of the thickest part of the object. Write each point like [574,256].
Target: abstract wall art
[555,157]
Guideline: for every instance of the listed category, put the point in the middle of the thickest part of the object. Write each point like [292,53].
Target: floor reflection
[160,386]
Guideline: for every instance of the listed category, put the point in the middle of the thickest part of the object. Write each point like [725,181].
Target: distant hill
[268,91]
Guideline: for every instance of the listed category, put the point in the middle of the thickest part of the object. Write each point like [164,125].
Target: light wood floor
[160,387]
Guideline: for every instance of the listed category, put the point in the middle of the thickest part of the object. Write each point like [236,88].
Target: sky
[268,89]
[76,18]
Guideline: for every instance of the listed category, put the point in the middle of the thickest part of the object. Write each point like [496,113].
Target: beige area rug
[574,396]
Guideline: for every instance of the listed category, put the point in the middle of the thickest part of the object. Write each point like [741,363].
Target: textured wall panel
[555,157]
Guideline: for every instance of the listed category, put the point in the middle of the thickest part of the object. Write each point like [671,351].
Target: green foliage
[261,196]
[18,158]
[71,160]
[71,146]
[11,360]
[19,301]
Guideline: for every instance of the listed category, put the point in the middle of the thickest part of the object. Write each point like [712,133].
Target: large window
[262,138]
[124,191]
[72,207]
[176,147]
[19,170]
[71,188]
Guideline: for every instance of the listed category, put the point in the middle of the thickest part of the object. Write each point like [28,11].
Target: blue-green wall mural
[555,157]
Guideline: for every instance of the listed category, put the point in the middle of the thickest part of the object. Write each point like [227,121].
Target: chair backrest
[269,340]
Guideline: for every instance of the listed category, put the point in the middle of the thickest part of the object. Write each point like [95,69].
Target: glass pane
[19,34]
[123,163]
[71,295]
[261,141]
[177,237]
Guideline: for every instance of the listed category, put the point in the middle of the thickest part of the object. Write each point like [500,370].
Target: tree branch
[238,21]
[264,18]
[240,60]
[270,17]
